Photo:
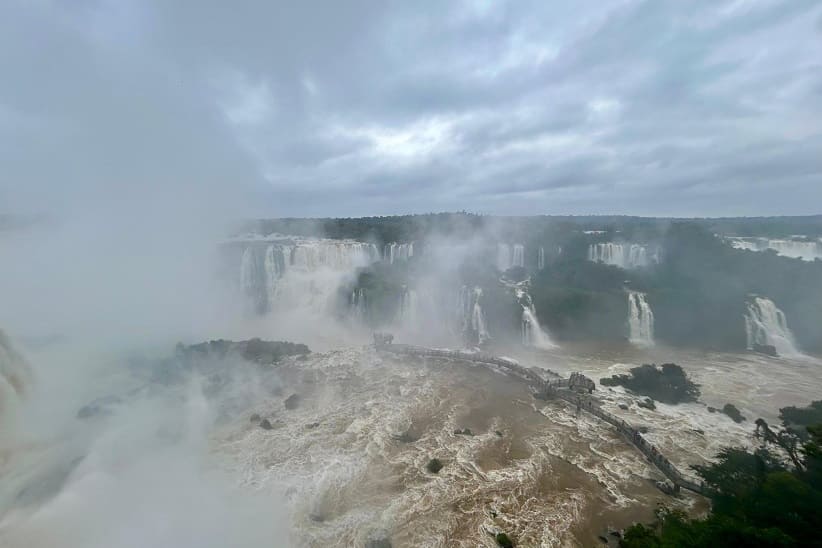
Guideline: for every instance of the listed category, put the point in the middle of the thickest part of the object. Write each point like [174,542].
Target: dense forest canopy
[411,227]
[768,497]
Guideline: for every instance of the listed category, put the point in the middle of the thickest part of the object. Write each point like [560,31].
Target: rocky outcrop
[434,466]
[767,349]
[733,413]
[253,350]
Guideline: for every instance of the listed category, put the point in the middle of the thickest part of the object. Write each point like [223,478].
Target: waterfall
[478,318]
[510,256]
[471,317]
[541,258]
[408,307]
[358,305]
[807,250]
[766,325]
[622,255]
[276,259]
[15,381]
[294,272]
[640,320]
[531,331]
[394,251]
[252,280]
[503,257]
[518,255]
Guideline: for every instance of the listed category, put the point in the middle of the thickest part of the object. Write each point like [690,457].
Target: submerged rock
[647,403]
[255,418]
[504,540]
[405,437]
[434,466]
[292,401]
[265,424]
[733,413]
[100,406]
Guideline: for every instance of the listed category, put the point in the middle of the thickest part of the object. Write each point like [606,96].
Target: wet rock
[733,413]
[253,350]
[543,395]
[767,349]
[623,406]
[255,418]
[100,406]
[265,424]
[647,403]
[712,409]
[642,429]
[504,540]
[463,432]
[498,433]
[434,466]
[667,383]
[668,487]
[405,437]
[292,401]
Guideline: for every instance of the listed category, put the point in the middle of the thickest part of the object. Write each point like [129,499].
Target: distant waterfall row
[807,250]
[397,252]
[299,271]
[766,326]
[640,320]
[623,255]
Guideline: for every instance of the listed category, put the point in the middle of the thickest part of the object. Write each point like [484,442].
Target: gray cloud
[365,107]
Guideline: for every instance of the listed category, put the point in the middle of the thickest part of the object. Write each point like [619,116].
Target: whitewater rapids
[348,464]
[352,457]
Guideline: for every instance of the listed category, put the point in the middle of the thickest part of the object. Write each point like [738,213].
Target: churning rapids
[345,463]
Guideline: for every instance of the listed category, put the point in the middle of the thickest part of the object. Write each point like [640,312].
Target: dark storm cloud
[318,108]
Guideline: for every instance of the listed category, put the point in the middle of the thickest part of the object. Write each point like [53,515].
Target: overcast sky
[684,107]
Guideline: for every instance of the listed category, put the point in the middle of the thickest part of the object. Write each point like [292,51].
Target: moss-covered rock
[667,383]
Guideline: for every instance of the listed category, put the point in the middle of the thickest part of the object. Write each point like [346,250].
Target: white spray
[765,324]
